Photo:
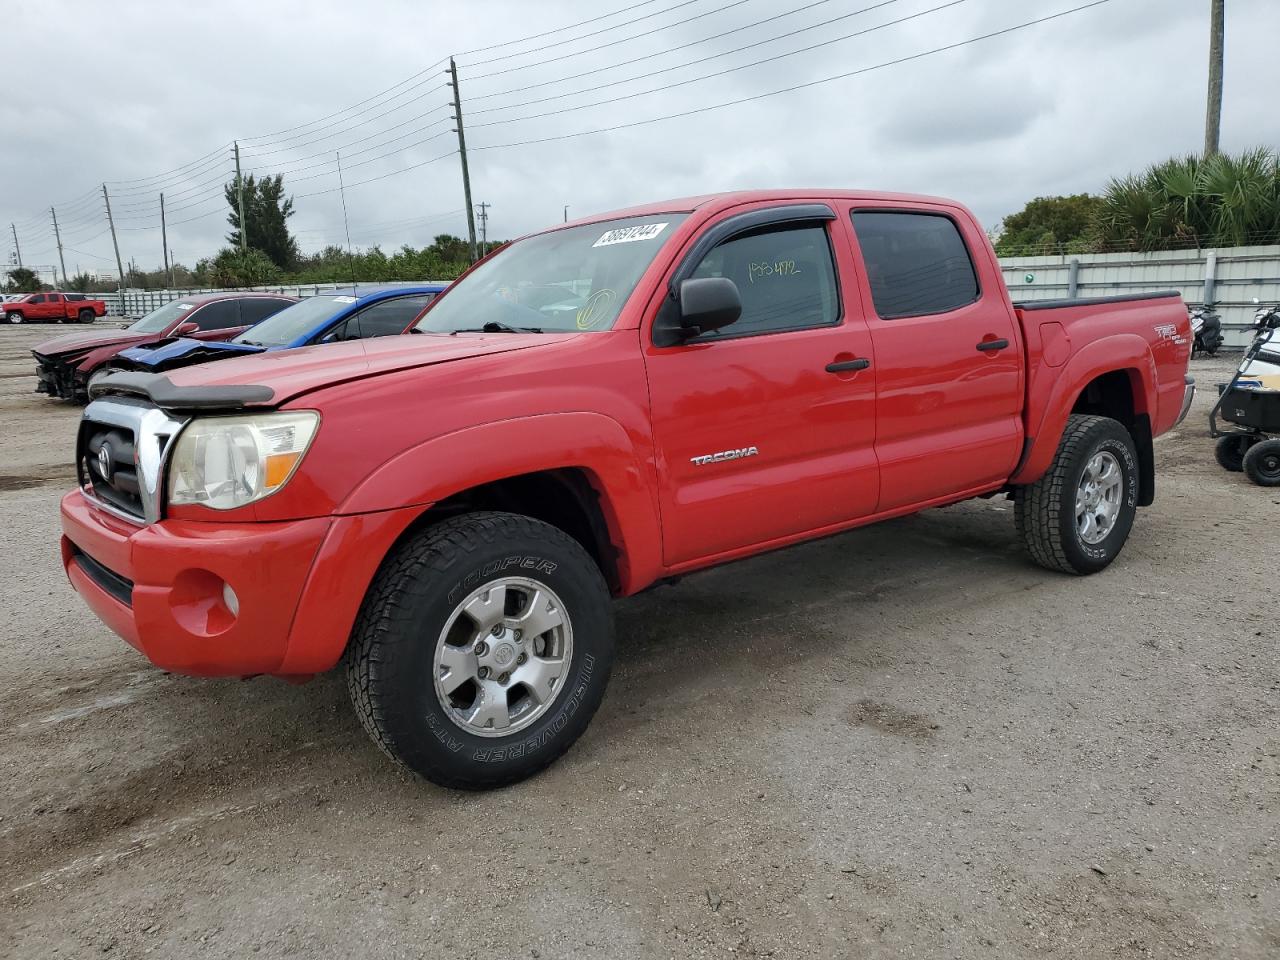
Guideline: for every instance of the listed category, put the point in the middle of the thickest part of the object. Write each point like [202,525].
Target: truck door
[765,429]
[947,353]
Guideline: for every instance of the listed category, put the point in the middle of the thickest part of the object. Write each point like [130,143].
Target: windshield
[574,279]
[160,319]
[293,321]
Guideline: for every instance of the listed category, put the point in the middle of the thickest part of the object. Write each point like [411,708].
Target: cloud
[148,96]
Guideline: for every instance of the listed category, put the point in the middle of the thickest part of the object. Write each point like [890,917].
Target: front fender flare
[592,442]
[1046,420]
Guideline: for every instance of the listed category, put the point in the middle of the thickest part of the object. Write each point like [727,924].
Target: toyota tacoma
[587,412]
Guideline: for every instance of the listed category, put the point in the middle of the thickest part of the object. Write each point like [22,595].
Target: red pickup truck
[54,307]
[589,411]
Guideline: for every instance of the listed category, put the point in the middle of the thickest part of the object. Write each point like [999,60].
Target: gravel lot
[902,741]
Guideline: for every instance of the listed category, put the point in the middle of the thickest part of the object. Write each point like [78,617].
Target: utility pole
[566,213]
[115,243]
[462,150]
[1213,110]
[244,226]
[57,236]
[164,240]
[484,227]
[17,249]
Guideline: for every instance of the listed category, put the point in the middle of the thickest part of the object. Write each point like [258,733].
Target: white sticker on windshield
[643,231]
[344,299]
[184,306]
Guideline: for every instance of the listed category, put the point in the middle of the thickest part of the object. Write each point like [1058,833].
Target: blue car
[321,319]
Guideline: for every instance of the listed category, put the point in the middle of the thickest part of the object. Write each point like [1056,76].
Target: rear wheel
[1229,451]
[1077,517]
[87,316]
[1262,463]
[482,650]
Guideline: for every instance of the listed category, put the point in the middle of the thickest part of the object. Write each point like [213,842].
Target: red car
[65,364]
[585,413]
[53,308]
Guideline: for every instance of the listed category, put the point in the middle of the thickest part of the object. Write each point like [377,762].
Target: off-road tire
[1262,463]
[1229,451]
[390,660]
[1044,511]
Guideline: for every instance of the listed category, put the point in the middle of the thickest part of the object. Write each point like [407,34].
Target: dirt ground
[902,741]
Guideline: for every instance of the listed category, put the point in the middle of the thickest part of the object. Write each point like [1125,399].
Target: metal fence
[137,303]
[1231,279]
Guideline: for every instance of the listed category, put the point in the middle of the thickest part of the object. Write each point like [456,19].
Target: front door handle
[842,366]
[993,344]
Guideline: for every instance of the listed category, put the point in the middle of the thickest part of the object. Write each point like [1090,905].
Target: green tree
[80,283]
[1050,225]
[231,268]
[1218,201]
[23,280]
[267,211]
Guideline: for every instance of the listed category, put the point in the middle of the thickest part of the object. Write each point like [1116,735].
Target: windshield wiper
[252,343]
[497,326]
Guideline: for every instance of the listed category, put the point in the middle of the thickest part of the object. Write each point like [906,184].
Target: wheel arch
[579,471]
[1113,377]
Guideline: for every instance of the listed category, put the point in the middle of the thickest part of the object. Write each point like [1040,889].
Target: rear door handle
[843,366]
[993,344]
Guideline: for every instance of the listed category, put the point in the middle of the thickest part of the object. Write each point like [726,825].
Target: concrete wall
[1229,278]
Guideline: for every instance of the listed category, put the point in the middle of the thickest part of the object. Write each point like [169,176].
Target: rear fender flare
[594,443]
[1125,352]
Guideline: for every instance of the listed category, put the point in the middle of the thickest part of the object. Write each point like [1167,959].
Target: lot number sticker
[643,231]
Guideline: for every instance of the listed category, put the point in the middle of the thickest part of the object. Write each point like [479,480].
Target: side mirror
[187,328]
[708,303]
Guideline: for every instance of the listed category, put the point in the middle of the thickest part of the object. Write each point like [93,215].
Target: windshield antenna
[342,191]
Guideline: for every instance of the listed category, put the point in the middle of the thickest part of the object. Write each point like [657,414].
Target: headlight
[227,462]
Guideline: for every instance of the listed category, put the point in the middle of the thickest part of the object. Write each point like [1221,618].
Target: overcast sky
[149,96]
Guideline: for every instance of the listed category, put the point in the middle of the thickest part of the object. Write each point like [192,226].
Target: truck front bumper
[1188,395]
[231,599]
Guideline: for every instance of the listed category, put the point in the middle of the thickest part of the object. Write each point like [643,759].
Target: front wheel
[14,317]
[482,650]
[1077,517]
[1262,463]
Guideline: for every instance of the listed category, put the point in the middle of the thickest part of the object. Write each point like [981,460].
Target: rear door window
[219,315]
[917,263]
[386,319]
[253,309]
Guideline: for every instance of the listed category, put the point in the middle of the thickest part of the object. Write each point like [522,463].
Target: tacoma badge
[724,455]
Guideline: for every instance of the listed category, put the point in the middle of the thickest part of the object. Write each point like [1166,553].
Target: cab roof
[714,202]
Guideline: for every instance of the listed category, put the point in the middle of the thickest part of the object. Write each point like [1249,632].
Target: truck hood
[83,342]
[271,378]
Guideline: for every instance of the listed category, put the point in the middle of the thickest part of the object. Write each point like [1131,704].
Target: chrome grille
[121,451]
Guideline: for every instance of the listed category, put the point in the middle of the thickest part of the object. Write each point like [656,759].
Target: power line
[725,53]
[430,71]
[306,143]
[726,70]
[595,33]
[611,43]
[423,116]
[798,86]
[649,57]
[393,173]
